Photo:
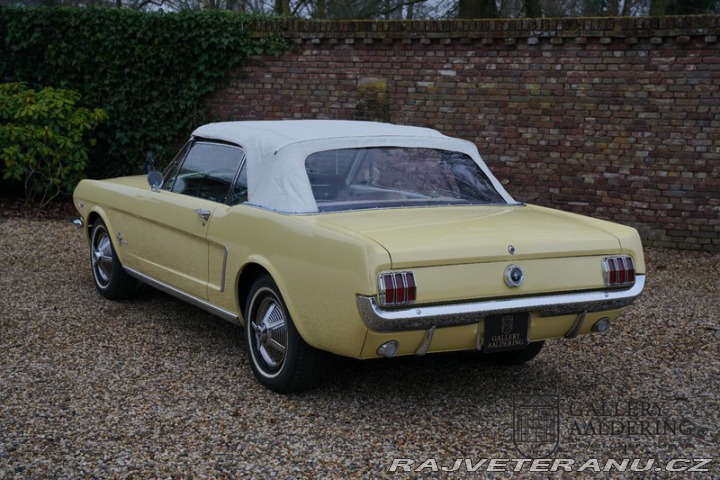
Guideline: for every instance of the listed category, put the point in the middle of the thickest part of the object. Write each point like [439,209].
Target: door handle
[204,214]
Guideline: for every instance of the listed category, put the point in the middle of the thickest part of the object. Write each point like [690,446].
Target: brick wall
[614,118]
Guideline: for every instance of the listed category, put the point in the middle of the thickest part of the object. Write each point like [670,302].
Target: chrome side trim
[191,299]
[222,270]
[425,344]
[423,318]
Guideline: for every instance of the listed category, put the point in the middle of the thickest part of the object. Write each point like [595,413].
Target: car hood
[460,235]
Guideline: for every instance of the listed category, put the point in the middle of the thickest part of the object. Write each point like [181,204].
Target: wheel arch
[99,214]
[111,281]
[92,218]
[248,275]
[246,278]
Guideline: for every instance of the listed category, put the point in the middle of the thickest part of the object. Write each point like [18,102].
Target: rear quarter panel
[318,270]
[628,237]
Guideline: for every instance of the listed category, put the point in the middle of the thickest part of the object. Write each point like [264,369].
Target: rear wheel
[111,280]
[280,358]
[516,357]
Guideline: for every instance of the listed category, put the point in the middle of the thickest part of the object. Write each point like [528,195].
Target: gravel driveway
[153,388]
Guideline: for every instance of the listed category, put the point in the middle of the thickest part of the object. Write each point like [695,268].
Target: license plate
[508,331]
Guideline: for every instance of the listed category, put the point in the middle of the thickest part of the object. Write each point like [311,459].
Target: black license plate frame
[505,332]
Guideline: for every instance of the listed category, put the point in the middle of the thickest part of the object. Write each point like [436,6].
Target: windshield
[395,177]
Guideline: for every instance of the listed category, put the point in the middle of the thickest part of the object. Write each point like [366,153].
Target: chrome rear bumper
[425,317]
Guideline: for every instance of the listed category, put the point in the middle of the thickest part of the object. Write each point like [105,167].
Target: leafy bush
[43,139]
[148,71]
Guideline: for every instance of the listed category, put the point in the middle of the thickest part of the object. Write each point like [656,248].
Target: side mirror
[155,179]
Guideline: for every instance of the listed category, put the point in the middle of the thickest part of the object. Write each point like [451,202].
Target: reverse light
[396,288]
[618,271]
[602,325]
[388,349]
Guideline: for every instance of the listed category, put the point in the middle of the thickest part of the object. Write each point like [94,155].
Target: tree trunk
[235,6]
[690,7]
[478,9]
[282,7]
[626,8]
[658,7]
[319,10]
[533,9]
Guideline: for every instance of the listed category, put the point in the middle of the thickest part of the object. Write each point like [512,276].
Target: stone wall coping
[602,27]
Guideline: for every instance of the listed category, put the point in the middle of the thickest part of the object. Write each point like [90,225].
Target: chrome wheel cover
[269,332]
[102,256]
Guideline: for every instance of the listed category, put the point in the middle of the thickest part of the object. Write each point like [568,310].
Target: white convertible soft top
[276,151]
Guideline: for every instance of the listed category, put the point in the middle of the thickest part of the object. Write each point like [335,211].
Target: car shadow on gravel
[436,371]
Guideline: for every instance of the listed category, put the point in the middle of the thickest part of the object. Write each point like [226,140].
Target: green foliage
[42,136]
[148,71]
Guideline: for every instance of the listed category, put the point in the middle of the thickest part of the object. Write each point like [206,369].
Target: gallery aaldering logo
[507,324]
[536,424]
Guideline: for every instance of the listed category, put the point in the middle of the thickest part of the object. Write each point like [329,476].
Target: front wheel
[111,280]
[280,358]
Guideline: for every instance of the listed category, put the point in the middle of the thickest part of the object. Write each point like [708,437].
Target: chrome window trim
[177,163]
[425,317]
[243,162]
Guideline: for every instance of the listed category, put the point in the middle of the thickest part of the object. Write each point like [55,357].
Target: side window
[207,171]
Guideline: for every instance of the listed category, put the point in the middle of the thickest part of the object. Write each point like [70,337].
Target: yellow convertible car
[356,238]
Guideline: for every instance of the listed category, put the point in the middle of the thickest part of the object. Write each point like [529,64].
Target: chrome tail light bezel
[402,285]
[618,271]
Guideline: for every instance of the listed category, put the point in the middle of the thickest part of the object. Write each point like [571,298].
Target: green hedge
[148,71]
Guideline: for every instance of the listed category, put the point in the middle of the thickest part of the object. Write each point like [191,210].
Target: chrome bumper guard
[425,317]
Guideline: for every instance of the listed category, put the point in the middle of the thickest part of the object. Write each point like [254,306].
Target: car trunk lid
[465,235]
